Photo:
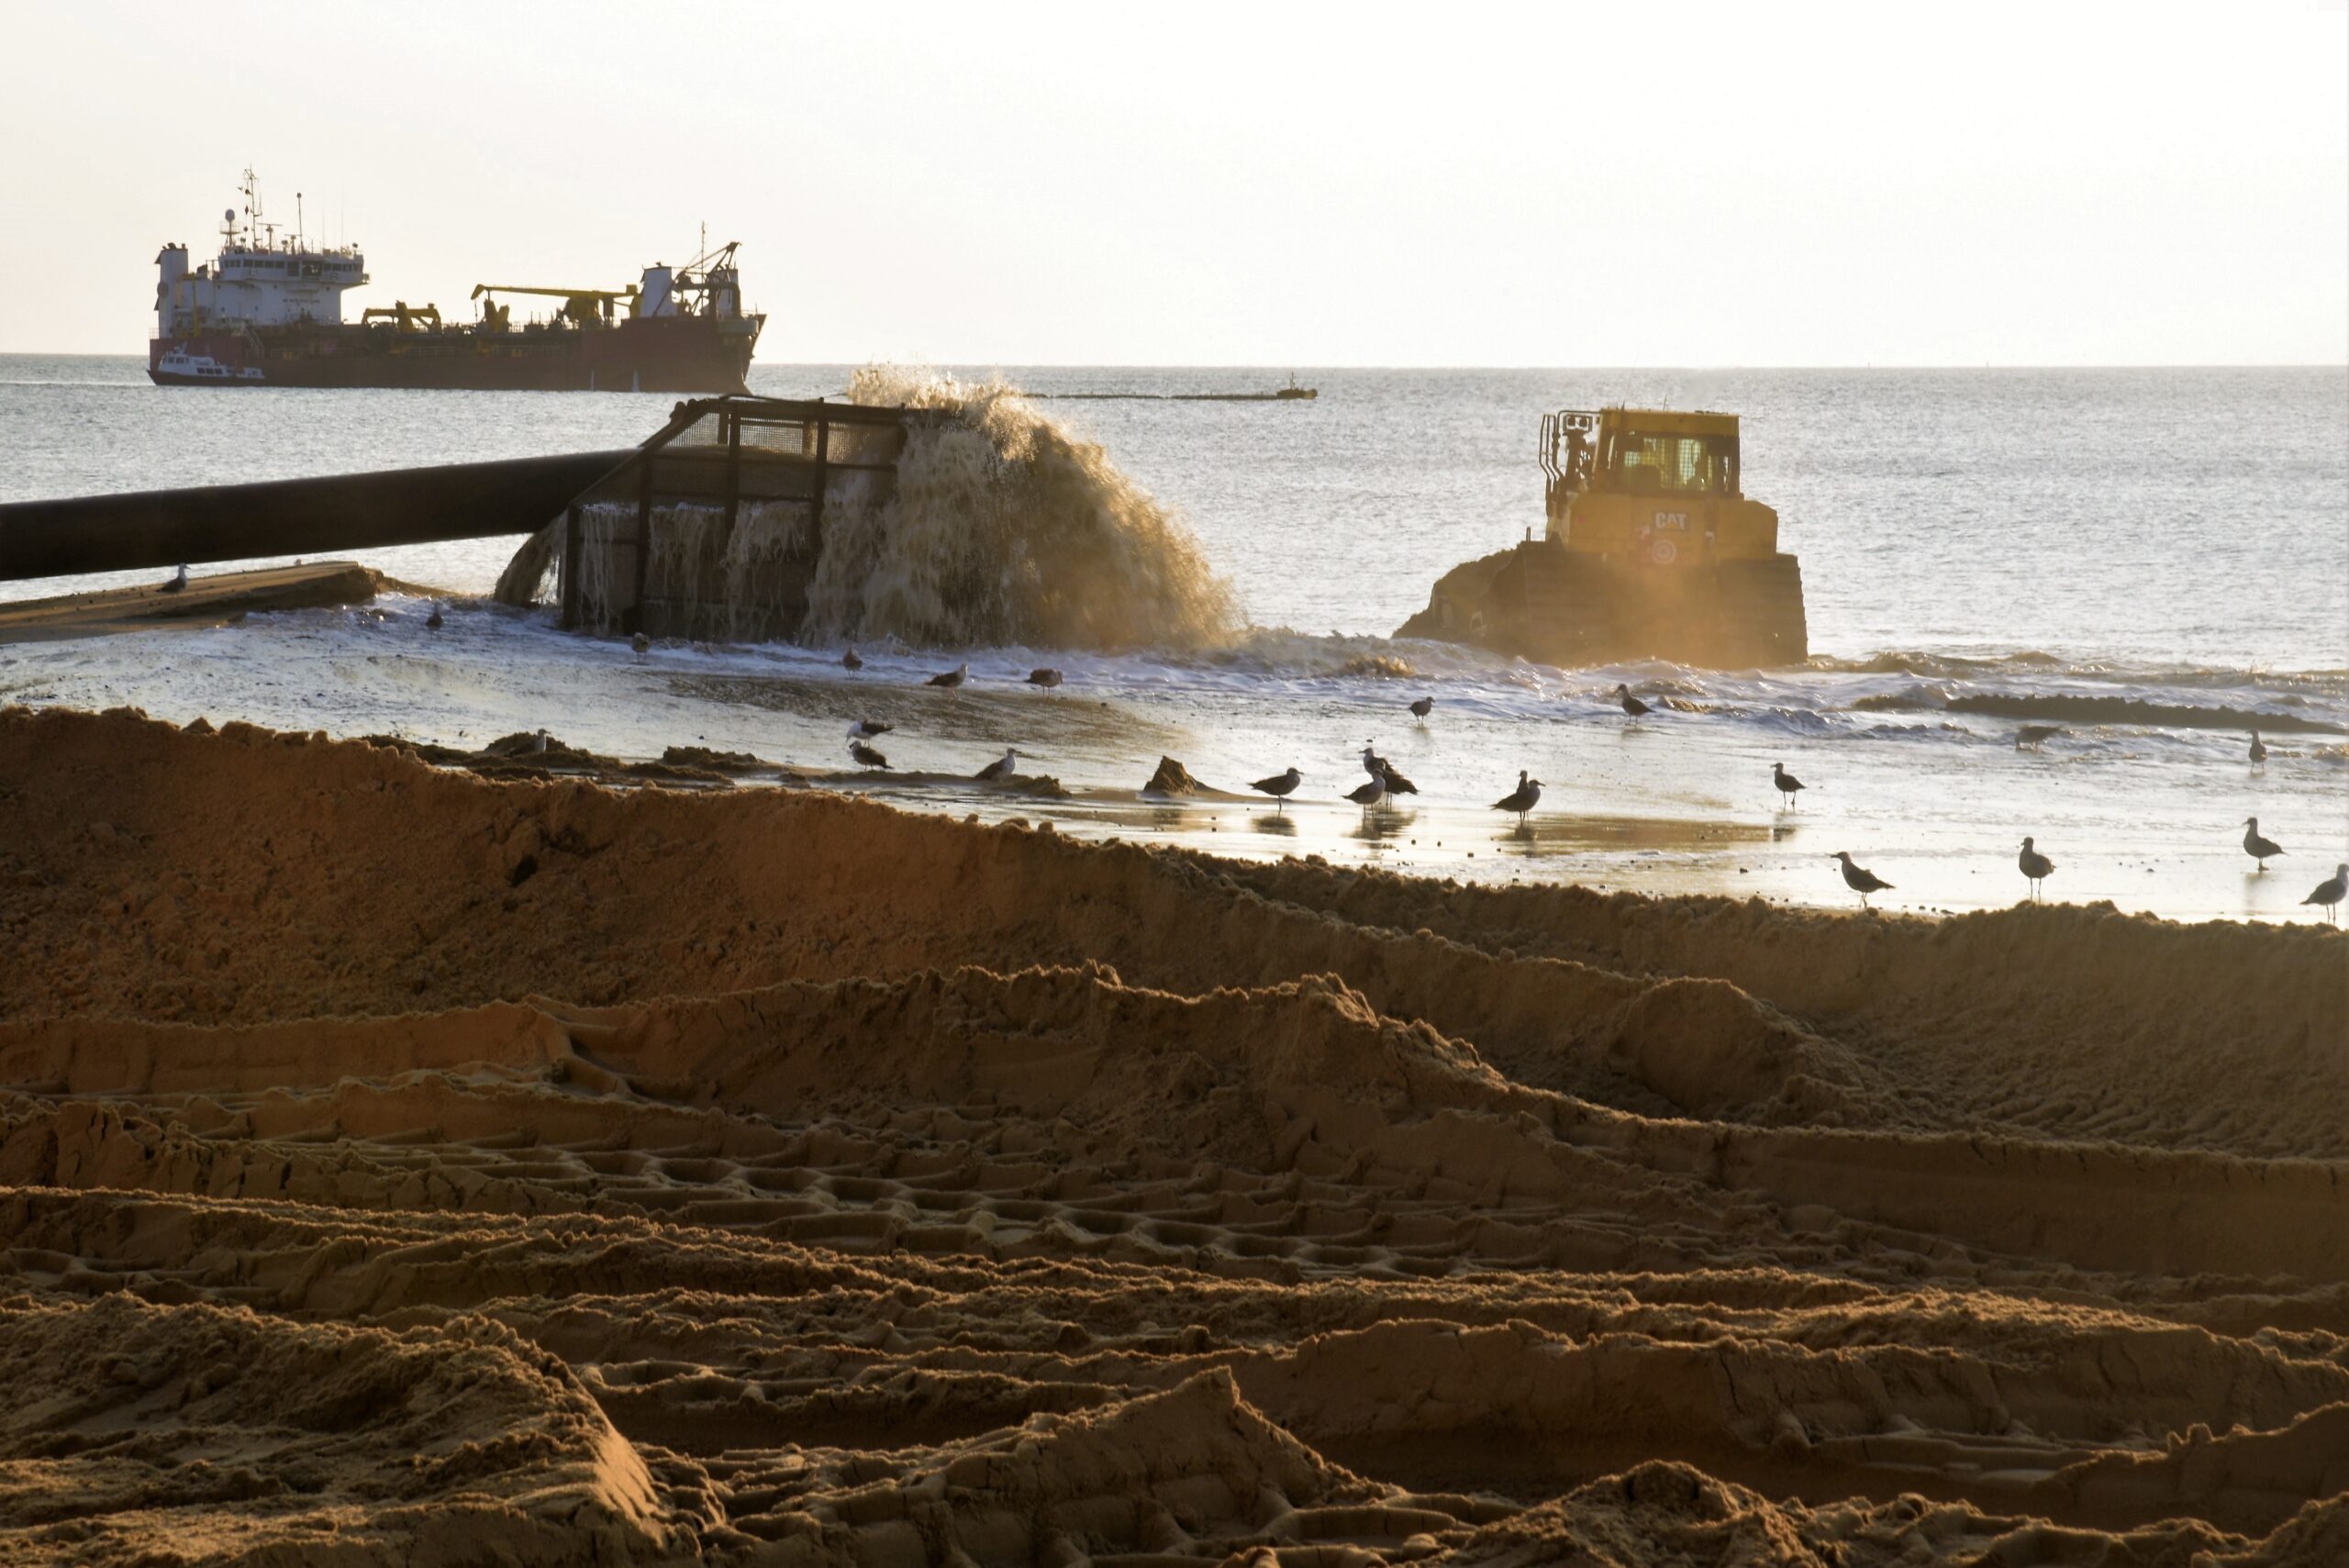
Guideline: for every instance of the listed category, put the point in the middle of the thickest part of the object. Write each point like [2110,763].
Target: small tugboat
[1293,391]
[268,311]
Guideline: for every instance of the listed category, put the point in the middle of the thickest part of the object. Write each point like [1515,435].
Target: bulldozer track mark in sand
[1076,1203]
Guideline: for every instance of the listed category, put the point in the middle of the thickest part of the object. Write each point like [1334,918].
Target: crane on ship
[582,308]
[406,317]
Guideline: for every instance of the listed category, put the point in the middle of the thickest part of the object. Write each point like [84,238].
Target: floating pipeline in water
[1280,395]
[158,530]
[922,509]
[2082,710]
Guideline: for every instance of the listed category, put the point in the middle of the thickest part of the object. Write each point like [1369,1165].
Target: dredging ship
[267,311]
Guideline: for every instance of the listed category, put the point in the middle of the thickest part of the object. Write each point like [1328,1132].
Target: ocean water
[2156,560]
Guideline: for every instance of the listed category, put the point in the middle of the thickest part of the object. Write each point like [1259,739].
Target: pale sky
[991,183]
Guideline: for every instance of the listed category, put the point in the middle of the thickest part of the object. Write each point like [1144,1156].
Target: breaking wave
[2077,707]
[1002,525]
[2031,664]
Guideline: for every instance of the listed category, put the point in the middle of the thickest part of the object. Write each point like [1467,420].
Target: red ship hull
[678,353]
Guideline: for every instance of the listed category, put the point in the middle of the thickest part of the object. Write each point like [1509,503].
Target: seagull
[178,582]
[2032,734]
[1421,708]
[1280,786]
[1787,784]
[998,769]
[1631,704]
[641,645]
[951,678]
[1859,879]
[2329,892]
[1382,770]
[1044,677]
[866,728]
[2258,747]
[2254,846]
[2034,865]
[849,661]
[434,621]
[1521,799]
[1369,795]
[864,755]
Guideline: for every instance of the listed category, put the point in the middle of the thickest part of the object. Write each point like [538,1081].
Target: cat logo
[1677,520]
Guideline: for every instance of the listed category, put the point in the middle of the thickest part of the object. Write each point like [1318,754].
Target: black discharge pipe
[153,529]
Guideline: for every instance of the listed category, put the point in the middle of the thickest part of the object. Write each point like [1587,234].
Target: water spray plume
[1003,526]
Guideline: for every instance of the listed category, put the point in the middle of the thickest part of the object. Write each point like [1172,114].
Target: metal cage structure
[713,527]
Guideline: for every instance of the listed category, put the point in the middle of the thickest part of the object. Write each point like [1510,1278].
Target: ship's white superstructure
[259,279]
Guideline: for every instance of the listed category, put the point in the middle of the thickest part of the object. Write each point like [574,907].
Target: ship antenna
[297,220]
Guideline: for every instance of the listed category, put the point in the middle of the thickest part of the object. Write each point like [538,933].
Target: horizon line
[757,365]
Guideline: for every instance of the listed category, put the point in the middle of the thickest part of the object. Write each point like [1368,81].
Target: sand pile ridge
[429,1166]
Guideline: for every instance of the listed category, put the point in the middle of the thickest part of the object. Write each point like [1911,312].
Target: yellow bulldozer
[1651,550]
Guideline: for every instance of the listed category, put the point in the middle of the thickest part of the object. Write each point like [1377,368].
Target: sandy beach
[402,1165]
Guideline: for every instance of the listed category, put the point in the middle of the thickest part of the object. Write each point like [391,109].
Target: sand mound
[440,1167]
[239,1436]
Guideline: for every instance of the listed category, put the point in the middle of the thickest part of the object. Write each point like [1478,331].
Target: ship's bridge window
[1702,466]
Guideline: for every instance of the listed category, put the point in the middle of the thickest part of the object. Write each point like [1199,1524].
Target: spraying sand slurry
[1003,526]
[412,1167]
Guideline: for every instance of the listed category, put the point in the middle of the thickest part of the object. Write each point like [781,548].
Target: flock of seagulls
[2036,868]
[1383,780]
[864,731]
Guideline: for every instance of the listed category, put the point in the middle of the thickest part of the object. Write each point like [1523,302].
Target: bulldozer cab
[1636,452]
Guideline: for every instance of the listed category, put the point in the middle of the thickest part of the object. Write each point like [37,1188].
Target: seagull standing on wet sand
[435,621]
[849,661]
[1046,678]
[1787,784]
[1631,704]
[2330,891]
[1280,786]
[1859,879]
[1382,770]
[951,678]
[1523,799]
[998,769]
[178,582]
[2258,747]
[1369,795]
[1421,708]
[2034,865]
[866,728]
[2254,846]
[862,755]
